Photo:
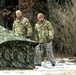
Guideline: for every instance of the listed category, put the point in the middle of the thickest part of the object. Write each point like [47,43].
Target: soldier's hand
[28,37]
[49,40]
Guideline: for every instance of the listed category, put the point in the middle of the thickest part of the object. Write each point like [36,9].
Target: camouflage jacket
[44,31]
[22,27]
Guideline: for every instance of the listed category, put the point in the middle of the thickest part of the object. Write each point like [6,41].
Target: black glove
[29,37]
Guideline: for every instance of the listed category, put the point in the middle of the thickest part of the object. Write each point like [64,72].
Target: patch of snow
[65,68]
[46,65]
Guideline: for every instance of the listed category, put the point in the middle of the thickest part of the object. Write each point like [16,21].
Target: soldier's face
[18,15]
[40,19]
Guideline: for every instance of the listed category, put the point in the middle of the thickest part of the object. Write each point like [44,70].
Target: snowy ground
[63,67]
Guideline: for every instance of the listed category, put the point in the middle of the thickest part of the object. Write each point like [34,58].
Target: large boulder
[15,52]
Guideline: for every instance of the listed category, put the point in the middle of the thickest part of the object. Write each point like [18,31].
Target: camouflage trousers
[39,49]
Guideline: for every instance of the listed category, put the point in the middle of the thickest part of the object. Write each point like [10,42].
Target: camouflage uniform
[22,27]
[44,34]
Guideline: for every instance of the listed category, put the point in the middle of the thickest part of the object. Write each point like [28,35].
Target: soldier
[44,34]
[21,26]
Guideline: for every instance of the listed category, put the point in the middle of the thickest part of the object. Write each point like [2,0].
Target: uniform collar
[18,20]
[41,22]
